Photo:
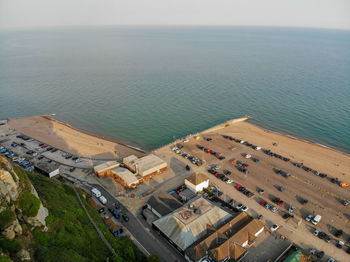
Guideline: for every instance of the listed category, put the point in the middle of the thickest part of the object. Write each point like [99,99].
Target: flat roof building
[104,168]
[150,165]
[125,177]
[48,169]
[189,223]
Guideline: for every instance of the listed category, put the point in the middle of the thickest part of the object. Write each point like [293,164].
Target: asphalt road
[146,237]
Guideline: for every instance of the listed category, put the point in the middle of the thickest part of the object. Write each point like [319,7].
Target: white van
[103,200]
[96,192]
[316,219]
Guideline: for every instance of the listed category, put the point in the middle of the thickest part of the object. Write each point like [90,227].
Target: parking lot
[291,192]
[27,152]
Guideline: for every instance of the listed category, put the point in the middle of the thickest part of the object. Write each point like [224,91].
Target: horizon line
[166,25]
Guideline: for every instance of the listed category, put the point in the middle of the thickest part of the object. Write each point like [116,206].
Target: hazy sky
[299,13]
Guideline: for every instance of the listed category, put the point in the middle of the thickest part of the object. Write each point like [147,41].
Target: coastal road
[147,240]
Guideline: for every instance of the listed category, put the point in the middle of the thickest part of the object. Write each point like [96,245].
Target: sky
[291,13]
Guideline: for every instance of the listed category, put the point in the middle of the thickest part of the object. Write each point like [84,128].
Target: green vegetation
[5,259]
[10,246]
[71,237]
[23,178]
[6,218]
[28,203]
[153,258]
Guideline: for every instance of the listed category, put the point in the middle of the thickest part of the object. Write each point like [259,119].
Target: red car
[263,202]
[238,186]
[44,146]
[209,151]
[245,165]
[217,174]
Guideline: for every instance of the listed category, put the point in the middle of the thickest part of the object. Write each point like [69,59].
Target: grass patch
[6,218]
[28,203]
[71,237]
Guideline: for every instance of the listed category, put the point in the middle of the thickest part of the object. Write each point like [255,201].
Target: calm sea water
[145,86]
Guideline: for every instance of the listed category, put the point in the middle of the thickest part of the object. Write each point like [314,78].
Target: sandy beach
[69,139]
[324,159]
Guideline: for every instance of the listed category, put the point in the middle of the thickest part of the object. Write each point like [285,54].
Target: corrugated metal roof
[184,226]
[106,166]
[149,162]
[126,175]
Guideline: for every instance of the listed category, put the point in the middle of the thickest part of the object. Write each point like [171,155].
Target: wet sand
[69,139]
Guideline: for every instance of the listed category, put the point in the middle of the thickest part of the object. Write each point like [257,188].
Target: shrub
[6,218]
[10,246]
[28,203]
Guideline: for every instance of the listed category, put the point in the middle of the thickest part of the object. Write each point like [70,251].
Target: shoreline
[90,134]
[301,139]
[208,130]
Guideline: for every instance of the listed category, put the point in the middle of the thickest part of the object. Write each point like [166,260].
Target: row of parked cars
[242,142]
[26,164]
[339,244]
[194,160]
[244,190]
[322,175]
[241,166]
[212,152]
[214,172]
[269,153]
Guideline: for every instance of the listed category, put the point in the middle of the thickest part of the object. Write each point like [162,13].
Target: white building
[197,182]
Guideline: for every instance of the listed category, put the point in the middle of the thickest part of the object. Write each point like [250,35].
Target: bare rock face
[17,227]
[14,229]
[23,255]
[39,219]
[8,186]
[9,232]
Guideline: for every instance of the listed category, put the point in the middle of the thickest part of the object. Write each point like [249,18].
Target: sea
[146,86]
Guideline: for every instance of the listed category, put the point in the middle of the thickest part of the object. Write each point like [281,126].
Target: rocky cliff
[21,211]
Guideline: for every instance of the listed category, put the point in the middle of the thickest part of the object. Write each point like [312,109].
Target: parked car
[244,208]
[339,244]
[71,169]
[308,218]
[261,191]
[320,254]
[316,232]
[338,233]
[273,208]
[263,202]
[274,227]
[328,238]
[125,217]
[291,209]
[227,172]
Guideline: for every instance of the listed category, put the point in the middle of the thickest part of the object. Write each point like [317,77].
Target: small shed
[48,169]
[113,226]
[197,182]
